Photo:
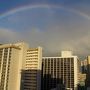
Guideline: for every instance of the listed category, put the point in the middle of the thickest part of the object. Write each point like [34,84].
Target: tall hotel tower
[60,73]
[88,73]
[12,61]
[85,64]
[20,67]
[32,75]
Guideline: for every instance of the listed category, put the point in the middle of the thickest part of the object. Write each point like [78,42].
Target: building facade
[60,72]
[88,73]
[12,58]
[85,64]
[32,75]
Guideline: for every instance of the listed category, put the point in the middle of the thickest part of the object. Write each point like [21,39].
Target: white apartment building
[12,61]
[32,78]
[59,72]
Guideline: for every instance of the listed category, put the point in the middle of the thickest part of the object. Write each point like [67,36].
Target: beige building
[32,78]
[20,67]
[88,72]
[82,79]
[12,61]
[60,72]
[88,64]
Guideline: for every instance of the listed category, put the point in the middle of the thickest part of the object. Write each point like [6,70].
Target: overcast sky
[55,25]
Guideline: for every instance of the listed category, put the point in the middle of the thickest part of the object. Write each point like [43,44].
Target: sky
[55,25]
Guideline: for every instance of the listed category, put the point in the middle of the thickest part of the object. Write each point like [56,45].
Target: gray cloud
[62,31]
[52,40]
[7,36]
[56,39]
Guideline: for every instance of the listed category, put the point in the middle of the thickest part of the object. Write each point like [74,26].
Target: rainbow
[22,8]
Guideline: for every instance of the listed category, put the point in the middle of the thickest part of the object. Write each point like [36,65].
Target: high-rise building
[85,64]
[60,72]
[88,64]
[88,73]
[20,67]
[12,61]
[32,75]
